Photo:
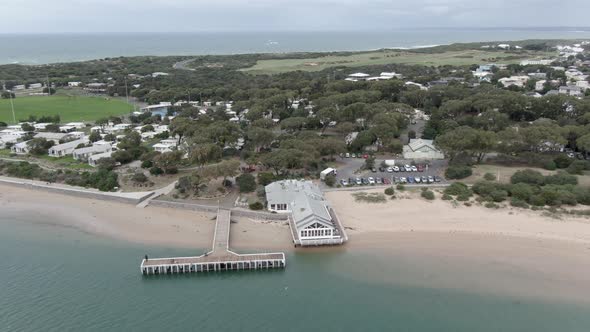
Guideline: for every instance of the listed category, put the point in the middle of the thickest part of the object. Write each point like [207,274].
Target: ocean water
[60,279]
[50,48]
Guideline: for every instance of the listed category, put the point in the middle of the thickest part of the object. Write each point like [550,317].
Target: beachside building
[313,221]
[74,84]
[357,77]
[84,153]
[95,158]
[421,149]
[66,149]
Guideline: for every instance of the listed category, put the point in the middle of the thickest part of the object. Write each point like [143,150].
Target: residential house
[160,109]
[538,76]
[570,90]
[421,149]
[95,158]
[7,140]
[96,87]
[518,81]
[55,137]
[166,145]
[20,148]
[74,84]
[66,149]
[84,153]
[313,221]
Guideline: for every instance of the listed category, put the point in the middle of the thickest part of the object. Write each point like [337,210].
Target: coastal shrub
[139,178]
[582,195]
[400,187]
[24,170]
[522,191]
[147,164]
[484,188]
[156,171]
[463,197]
[458,172]
[578,167]
[122,156]
[561,179]
[256,206]
[458,188]
[537,200]
[562,161]
[446,197]
[330,180]
[499,195]
[389,191]
[369,197]
[518,203]
[550,165]
[489,177]
[491,205]
[265,178]
[528,176]
[427,194]
[246,183]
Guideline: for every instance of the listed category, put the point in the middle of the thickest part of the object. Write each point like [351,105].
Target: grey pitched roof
[305,200]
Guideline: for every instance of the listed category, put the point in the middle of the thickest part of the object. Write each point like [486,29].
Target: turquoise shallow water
[56,279]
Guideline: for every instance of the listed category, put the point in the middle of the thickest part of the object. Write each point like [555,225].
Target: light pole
[12,106]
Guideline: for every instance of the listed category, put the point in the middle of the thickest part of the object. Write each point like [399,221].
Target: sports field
[457,58]
[69,108]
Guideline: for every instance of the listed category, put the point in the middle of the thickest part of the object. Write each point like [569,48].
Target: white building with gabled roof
[66,149]
[312,220]
[421,149]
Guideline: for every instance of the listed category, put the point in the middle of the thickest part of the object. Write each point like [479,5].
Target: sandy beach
[510,250]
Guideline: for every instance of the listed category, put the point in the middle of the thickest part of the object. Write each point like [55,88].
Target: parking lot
[431,172]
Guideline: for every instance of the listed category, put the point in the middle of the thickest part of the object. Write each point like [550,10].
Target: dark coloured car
[420,168]
[437,178]
[411,179]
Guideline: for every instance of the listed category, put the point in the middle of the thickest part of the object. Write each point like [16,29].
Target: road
[183,65]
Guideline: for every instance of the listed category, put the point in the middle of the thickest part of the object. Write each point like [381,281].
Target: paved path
[157,193]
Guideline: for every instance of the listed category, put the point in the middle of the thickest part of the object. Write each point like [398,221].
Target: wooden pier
[220,258]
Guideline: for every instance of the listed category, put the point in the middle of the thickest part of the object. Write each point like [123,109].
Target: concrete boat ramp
[220,258]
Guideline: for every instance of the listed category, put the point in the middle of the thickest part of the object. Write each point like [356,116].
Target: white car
[389,169]
[395,169]
[408,168]
[414,169]
[371,180]
[403,180]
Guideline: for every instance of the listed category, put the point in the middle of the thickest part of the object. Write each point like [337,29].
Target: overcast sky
[33,16]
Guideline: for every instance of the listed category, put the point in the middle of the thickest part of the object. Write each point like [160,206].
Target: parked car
[420,168]
[408,168]
[379,180]
[402,169]
[389,169]
[364,181]
[347,155]
[430,179]
[411,179]
[414,169]
[424,179]
[381,169]
[403,180]
[366,156]
[436,178]
[352,155]
[417,179]
[374,170]
[395,169]
[351,181]
[371,180]
[344,182]
[359,181]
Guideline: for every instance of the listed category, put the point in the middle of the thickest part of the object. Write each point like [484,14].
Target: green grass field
[69,108]
[456,58]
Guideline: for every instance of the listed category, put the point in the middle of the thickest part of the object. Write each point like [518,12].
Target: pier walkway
[220,258]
